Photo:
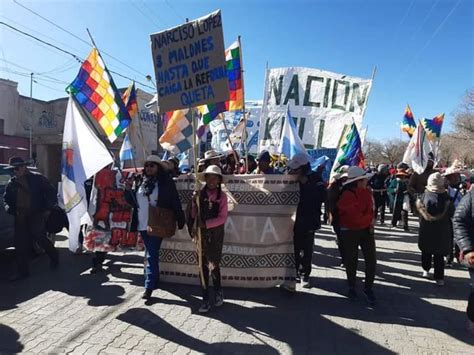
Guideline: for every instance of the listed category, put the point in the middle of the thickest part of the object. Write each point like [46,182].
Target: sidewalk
[72,311]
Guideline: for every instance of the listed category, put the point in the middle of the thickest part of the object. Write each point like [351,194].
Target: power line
[144,13]
[80,60]
[174,10]
[154,13]
[77,37]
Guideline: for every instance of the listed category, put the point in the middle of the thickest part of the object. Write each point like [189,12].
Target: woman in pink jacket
[213,214]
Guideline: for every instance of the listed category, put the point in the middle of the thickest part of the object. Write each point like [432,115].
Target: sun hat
[15,162]
[298,160]
[382,168]
[156,159]
[436,183]
[212,154]
[210,170]
[401,172]
[356,173]
[455,168]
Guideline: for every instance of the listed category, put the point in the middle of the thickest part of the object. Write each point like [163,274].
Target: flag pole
[244,135]
[228,138]
[374,71]
[197,186]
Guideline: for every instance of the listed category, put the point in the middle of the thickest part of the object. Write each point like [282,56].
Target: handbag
[161,222]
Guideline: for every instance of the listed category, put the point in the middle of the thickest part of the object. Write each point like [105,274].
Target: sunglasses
[149,165]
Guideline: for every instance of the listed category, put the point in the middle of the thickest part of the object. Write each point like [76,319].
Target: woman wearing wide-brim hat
[213,212]
[156,189]
[435,233]
[356,217]
[399,191]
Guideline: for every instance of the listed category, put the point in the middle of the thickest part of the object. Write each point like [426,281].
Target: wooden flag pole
[228,138]
[244,135]
[197,187]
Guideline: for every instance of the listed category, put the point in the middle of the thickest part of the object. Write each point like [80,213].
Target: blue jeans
[152,253]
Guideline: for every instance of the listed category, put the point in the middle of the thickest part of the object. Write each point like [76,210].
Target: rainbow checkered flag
[178,135]
[408,124]
[95,90]
[433,127]
[233,57]
[129,98]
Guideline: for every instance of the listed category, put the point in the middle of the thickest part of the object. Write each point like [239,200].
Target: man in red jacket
[356,218]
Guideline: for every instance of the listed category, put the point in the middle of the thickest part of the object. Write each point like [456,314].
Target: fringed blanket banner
[258,243]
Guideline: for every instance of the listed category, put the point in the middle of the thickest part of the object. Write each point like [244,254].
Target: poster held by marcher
[190,70]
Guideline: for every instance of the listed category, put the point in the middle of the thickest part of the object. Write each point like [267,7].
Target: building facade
[19,114]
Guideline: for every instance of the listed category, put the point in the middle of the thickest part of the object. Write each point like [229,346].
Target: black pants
[380,199]
[337,231]
[29,229]
[303,242]
[426,260]
[404,218]
[215,275]
[351,240]
[470,302]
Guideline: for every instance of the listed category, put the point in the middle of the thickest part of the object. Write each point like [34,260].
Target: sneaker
[370,297]
[147,294]
[306,282]
[219,299]
[205,307]
[440,282]
[352,294]
[426,274]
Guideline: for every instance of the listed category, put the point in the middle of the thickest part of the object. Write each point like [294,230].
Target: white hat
[212,154]
[355,173]
[455,168]
[341,172]
[436,183]
[299,159]
[211,169]
[155,159]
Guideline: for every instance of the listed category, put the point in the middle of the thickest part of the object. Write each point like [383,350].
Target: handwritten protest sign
[190,65]
[321,102]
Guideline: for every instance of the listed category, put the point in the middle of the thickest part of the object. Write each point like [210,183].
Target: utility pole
[31,116]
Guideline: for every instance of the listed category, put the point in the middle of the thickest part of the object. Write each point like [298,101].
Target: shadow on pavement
[9,340]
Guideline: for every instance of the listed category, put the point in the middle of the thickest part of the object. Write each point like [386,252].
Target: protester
[211,157]
[436,210]
[398,188]
[463,222]
[157,189]
[29,197]
[212,218]
[453,180]
[230,165]
[417,182]
[333,194]
[173,166]
[379,190]
[263,166]
[308,214]
[356,215]
[252,165]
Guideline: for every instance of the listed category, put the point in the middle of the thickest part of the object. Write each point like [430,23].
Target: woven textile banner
[320,102]
[258,243]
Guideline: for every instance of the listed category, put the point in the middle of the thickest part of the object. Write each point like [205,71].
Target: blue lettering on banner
[148,117]
[190,97]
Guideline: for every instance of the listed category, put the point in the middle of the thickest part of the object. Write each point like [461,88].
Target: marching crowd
[354,200]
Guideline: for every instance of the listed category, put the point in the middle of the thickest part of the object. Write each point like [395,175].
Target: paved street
[71,310]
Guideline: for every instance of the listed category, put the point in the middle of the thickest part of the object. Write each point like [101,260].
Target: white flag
[418,150]
[83,156]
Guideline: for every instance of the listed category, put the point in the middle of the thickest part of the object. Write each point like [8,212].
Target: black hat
[15,162]
[264,156]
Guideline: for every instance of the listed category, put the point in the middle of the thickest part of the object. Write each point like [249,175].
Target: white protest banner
[321,102]
[189,63]
[219,138]
[258,247]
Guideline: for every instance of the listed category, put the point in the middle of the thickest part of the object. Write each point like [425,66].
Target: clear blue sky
[423,49]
